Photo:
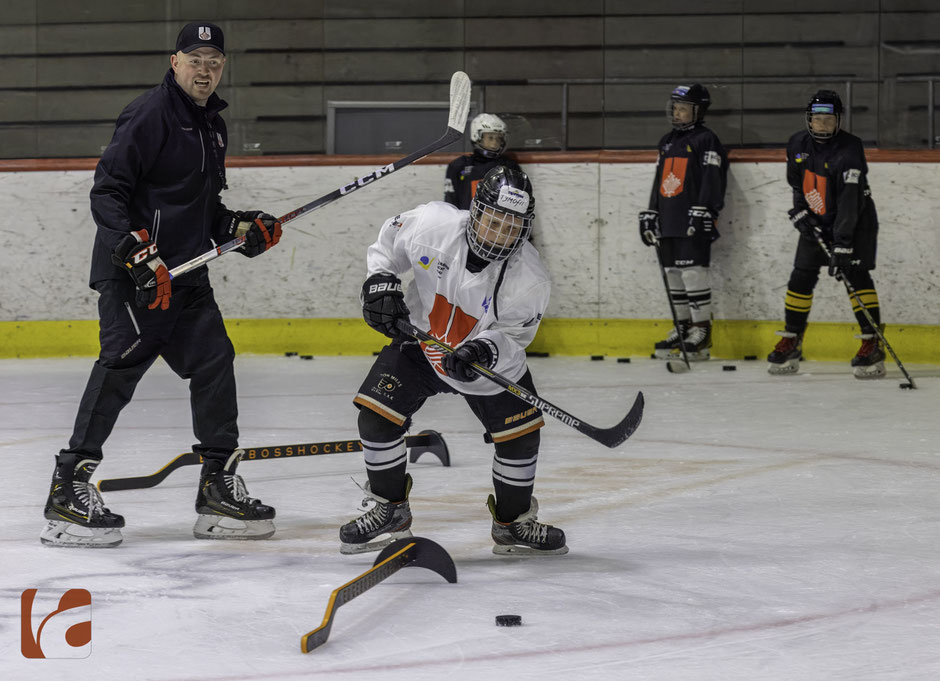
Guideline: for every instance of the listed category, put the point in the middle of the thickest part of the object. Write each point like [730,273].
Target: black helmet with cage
[501,214]
[697,96]
[824,103]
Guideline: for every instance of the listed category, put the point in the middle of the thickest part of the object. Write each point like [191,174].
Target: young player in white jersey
[480,287]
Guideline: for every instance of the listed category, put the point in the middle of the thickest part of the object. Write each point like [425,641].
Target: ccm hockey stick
[672,366]
[408,552]
[858,299]
[425,441]
[456,123]
[609,437]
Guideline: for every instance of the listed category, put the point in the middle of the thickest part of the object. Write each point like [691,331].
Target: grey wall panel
[549,32]
[276,67]
[392,9]
[666,30]
[512,65]
[372,34]
[391,66]
[699,61]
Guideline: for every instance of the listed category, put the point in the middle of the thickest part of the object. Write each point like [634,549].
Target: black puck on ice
[508,620]
[623,360]
[729,367]
[306,357]
[290,354]
[750,357]
[906,386]
[597,358]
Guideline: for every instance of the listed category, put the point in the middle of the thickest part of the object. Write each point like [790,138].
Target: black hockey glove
[804,221]
[457,364]
[383,302]
[701,220]
[649,227]
[138,255]
[840,261]
[261,230]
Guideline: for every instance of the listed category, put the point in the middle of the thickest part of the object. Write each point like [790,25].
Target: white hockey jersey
[503,303]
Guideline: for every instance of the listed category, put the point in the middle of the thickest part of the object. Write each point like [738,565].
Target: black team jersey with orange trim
[465,172]
[692,170]
[831,180]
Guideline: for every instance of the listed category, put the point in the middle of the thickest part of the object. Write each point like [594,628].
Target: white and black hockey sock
[699,293]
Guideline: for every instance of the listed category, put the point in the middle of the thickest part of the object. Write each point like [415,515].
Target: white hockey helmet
[487,123]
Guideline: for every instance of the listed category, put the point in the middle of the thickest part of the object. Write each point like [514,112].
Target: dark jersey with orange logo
[831,180]
[465,172]
[692,171]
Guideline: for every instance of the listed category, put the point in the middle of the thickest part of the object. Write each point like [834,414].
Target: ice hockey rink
[754,527]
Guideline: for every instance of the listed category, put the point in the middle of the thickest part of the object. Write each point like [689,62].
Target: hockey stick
[425,441]
[456,122]
[609,437]
[858,299]
[408,552]
[672,366]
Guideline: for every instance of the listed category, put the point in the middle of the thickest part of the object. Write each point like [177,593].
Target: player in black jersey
[488,135]
[688,193]
[827,170]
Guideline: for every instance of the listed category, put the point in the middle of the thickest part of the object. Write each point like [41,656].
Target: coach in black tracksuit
[156,204]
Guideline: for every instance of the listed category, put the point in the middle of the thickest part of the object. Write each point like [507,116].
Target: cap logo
[513,199]
[205,33]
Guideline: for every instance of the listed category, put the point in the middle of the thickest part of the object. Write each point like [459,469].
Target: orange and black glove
[261,230]
[138,255]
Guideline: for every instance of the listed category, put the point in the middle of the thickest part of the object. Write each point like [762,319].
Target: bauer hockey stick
[456,123]
[402,553]
[672,367]
[609,437]
[858,299]
[425,441]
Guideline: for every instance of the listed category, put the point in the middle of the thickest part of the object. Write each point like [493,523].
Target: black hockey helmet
[826,102]
[501,214]
[696,95]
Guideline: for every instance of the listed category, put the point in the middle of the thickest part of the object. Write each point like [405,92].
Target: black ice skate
[698,342]
[525,536]
[224,507]
[669,348]
[378,527]
[785,358]
[75,510]
[869,361]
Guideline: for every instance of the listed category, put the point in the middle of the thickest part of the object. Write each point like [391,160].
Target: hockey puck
[652,355]
[729,367]
[508,620]
[597,358]
[306,357]
[535,353]
[623,360]
[906,386]
[290,354]
[750,357]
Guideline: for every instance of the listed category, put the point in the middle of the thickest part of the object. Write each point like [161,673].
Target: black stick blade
[617,435]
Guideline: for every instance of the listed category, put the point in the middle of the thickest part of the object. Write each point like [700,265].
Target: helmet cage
[824,108]
[487,123]
[494,234]
[697,114]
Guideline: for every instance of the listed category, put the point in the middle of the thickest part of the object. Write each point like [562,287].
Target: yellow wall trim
[733,339]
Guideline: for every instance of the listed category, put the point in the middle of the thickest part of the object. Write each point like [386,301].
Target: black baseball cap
[198,34]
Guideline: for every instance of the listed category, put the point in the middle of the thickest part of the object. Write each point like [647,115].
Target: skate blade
[375,545]
[791,366]
[60,533]
[870,372]
[665,354]
[223,527]
[514,550]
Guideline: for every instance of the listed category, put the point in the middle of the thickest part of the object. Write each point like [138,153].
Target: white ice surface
[754,527]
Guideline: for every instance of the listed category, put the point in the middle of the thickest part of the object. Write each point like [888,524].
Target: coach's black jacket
[692,171]
[163,172]
[831,180]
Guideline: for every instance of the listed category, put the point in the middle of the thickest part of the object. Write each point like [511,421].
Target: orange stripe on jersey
[449,324]
[473,187]
[814,189]
[673,176]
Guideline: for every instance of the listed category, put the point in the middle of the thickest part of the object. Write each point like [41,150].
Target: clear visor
[681,114]
[494,235]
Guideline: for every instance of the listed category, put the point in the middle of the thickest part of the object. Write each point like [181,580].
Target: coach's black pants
[191,338]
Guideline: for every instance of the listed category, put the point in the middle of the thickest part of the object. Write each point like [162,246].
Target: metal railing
[847,84]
